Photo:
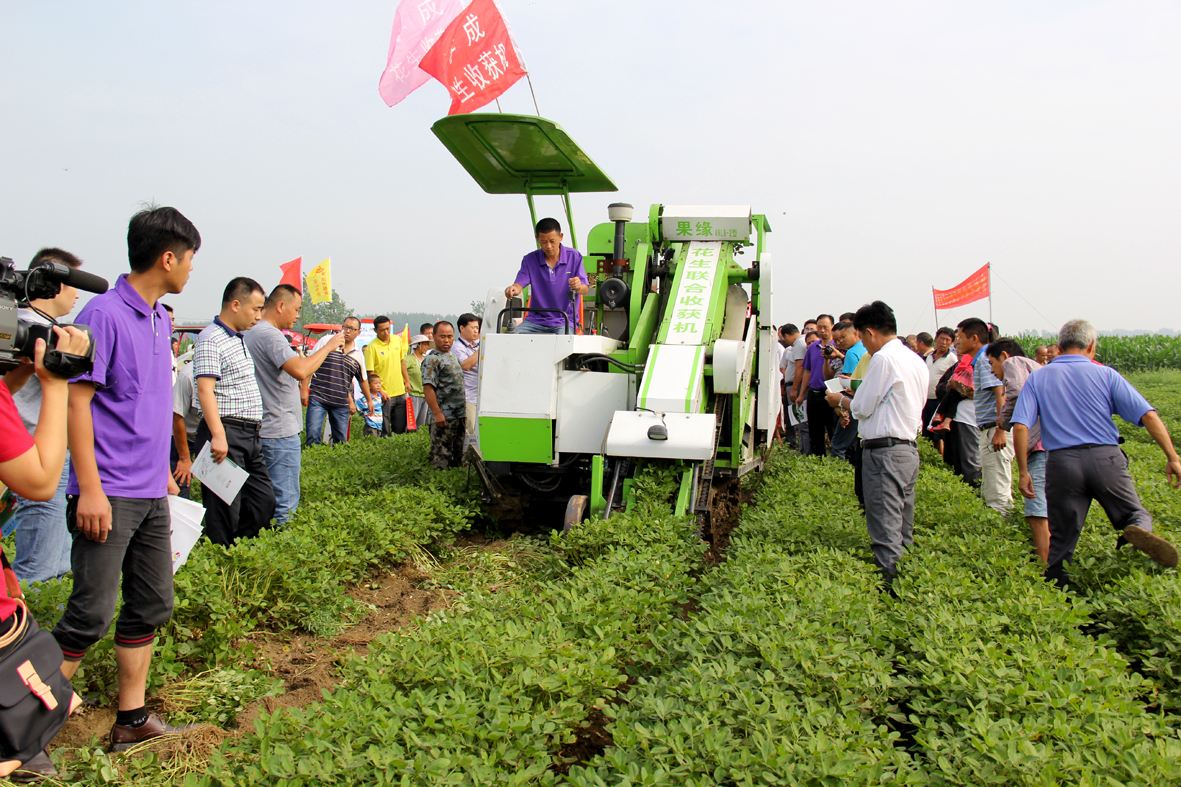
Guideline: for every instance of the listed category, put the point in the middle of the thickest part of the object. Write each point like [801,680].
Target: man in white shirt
[888,407]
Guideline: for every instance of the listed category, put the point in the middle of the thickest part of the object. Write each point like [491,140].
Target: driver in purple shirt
[555,276]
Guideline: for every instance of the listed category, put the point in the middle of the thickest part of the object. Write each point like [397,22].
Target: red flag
[974,288]
[474,58]
[293,273]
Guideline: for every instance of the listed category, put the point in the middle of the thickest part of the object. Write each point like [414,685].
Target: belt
[884,442]
[244,423]
[987,426]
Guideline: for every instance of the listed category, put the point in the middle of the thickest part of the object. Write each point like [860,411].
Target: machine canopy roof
[519,154]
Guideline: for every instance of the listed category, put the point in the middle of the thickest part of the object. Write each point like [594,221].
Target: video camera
[18,337]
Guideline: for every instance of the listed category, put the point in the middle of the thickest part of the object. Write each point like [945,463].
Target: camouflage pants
[447,443]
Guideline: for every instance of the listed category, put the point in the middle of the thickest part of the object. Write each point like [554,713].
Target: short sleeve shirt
[385,358]
[182,399]
[132,404]
[281,409]
[28,398]
[14,438]
[985,381]
[471,377]
[814,366]
[332,383]
[221,353]
[442,372]
[548,287]
[852,357]
[414,372]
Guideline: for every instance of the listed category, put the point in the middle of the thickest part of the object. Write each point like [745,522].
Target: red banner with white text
[474,58]
[974,288]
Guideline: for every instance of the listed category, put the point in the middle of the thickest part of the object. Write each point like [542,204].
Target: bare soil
[306,664]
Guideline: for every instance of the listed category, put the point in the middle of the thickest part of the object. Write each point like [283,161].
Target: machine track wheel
[575,512]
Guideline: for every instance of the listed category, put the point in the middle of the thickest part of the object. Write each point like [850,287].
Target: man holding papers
[231,408]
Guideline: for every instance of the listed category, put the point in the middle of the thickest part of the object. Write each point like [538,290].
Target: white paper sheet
[224,479]
[186,528]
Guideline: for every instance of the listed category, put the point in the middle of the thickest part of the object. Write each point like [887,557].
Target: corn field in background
[1128,354]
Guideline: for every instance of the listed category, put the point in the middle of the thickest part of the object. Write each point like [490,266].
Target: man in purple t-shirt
[120,424]
[556,281]
[821,419]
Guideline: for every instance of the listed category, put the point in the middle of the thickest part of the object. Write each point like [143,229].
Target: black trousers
[1075,477]
[821,422]
[394,415]
[254,506]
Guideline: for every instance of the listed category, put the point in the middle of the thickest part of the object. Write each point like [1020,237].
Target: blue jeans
[42,538]
[528,326]
[338,421]
[281,455]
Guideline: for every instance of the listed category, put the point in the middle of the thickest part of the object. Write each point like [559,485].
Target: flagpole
[935,303]
[990,295]
[529,79]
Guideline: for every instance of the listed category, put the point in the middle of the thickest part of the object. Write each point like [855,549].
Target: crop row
[796,668]
[502,691]
[294,578]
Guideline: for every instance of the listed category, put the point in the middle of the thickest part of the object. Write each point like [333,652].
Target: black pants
[821,422]
[394,415]
[254,506]
[1075,477]
[928,412]
[137,557]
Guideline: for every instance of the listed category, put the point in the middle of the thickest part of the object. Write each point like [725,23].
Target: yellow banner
[320,282]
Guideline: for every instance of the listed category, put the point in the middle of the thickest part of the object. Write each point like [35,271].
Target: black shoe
[1161,551]
[37,768]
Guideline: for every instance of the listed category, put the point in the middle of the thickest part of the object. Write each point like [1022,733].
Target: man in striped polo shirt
[227,395]
[330,390]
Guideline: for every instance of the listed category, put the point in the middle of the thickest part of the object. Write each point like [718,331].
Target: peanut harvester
[672,359]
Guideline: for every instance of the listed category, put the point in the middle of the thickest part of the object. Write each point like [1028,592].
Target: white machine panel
[519,375]
[673,379]
[587,401]
[705,222]
[770,401]
[728,359]
[690,436]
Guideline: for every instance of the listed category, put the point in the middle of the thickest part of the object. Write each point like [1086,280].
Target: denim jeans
[281,456]
[338,421]
[42,538]
[528,326]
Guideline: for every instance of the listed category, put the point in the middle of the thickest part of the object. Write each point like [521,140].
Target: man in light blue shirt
[851,350]
[1074,399]
[996,451]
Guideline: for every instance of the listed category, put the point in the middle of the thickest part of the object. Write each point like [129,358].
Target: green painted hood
[519,154]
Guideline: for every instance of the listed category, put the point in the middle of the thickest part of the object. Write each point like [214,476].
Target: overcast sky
[894,145]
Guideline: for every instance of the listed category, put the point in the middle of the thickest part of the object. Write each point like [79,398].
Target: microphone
[74,277]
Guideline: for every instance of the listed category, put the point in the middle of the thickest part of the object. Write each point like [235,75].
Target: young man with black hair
[231,413]
[42,540]
[996,452]
[386,356]
[279,371]
[467,351]
[427,329]
[120,425]
[888,406]
[555,276]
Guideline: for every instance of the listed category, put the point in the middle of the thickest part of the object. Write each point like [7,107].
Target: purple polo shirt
[132,404]
[814,365]
[548,287]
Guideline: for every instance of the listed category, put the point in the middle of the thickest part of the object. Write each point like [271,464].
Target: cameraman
[42,539]
[31,466]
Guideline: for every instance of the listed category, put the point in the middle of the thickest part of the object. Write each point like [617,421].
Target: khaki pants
[996,472]
[471,435]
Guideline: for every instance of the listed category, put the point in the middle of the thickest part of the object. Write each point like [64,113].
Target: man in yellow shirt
[386,356]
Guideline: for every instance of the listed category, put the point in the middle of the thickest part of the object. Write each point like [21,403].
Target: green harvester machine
[673,357]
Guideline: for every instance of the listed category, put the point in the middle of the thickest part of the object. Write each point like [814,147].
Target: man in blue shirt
[850,351]
[556,280]
[996,452]
[1074,398]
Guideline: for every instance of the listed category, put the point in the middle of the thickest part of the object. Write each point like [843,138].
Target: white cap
[419,339]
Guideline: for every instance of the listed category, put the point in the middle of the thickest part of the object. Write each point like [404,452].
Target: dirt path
[306,664]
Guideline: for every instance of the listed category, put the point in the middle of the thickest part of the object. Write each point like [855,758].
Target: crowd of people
[854,390]
[138,421]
